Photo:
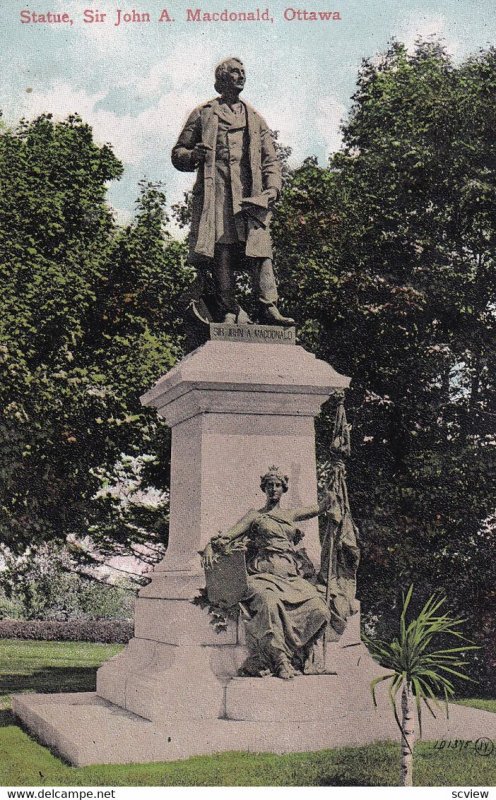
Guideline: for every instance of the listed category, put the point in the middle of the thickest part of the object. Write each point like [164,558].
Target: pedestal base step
[85,729]
[305,698]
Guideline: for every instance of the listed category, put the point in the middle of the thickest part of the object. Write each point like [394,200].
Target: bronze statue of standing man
[238,181]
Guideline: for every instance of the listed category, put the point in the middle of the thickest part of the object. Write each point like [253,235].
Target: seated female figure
[288,613]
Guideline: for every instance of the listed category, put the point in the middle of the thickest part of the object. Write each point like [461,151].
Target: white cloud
[184,68]
[292,123]
[329,118]
[105,36]
[425,26]
[298,123]
[135,138]
[153,82]
[60,100]
[122,215]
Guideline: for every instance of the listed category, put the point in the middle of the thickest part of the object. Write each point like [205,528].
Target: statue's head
[274,475]
[230,74]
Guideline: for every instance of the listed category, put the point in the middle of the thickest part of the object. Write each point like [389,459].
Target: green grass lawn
[68,666]
[478,702]
[29,666]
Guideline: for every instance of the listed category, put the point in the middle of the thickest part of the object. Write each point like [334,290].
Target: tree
[130,517]
[47,584]
[86,325]
[418,671]
[55,240]
[139,337]
[387,256]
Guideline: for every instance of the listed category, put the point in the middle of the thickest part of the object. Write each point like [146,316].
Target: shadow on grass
[7,718]
[51,679]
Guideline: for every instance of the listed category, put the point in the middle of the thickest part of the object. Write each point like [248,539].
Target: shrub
[104,631]
[10,608]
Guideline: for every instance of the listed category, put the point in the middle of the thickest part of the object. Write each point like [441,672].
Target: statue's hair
[221,72]
[274,472]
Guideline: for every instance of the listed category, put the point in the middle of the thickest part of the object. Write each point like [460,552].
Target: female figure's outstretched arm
[308,512]
[218,543]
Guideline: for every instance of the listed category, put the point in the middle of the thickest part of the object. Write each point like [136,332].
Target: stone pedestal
[235,408]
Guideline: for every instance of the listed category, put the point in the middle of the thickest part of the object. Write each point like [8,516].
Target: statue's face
[274,489]
[234,77]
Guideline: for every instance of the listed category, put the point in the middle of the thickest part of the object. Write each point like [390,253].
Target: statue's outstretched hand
[298,536]
[328,501]
[208,557]
[272,194]
[215,546]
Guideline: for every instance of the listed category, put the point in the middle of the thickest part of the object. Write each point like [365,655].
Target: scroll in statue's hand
[200,151]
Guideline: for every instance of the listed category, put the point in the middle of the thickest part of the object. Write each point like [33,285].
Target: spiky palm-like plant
[420,671]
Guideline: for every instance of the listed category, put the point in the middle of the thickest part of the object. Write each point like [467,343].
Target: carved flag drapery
[340,551]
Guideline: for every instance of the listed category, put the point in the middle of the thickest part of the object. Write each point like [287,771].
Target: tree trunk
[408,735]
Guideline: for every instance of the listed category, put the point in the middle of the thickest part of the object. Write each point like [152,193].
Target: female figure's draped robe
[287,612]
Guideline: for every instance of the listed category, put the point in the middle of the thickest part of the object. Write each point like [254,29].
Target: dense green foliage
[87,323]
[388,257]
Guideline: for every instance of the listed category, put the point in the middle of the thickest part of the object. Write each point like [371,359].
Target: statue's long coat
[202,126]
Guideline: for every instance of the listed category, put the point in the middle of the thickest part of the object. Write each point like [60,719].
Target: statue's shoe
[241,318]
[253,667]
[284,669]
[272,316]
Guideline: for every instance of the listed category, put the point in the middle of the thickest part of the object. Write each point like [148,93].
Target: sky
[135,83]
